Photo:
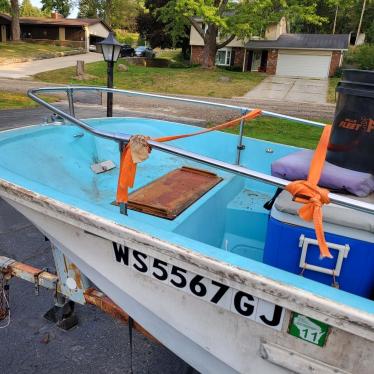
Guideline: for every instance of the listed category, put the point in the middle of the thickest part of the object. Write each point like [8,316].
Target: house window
[223,57]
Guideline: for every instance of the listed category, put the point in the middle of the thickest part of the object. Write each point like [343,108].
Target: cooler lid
[332,213]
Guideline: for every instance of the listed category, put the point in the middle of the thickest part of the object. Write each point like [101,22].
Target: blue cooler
[291,245]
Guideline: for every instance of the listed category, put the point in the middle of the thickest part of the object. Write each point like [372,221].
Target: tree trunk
[14,10]
[210,47]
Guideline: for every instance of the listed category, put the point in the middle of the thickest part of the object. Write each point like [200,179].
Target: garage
[297,55]
[308,64]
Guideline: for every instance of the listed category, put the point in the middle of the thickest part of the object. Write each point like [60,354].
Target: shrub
[360,57]
[125,37]
[338,72]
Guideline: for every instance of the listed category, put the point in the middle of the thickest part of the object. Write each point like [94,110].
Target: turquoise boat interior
[228,223]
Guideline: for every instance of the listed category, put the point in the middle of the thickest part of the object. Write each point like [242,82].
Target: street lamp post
[110,49]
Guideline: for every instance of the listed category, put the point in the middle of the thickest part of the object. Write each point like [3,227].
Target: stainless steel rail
[236,169]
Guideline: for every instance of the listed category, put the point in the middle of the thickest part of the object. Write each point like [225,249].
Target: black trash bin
[352,138]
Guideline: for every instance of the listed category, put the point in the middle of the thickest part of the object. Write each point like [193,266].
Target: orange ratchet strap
[127,171]
[313,197]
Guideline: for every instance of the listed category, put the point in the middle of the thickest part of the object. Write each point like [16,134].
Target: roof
[56,22]
[303,41]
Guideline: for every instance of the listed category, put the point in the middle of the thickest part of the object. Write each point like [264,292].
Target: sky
[39,5]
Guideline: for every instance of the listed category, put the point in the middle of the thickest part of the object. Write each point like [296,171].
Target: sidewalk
[27,69]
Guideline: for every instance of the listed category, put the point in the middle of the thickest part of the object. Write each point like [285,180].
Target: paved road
[31,345]
[287,89]
[26,69]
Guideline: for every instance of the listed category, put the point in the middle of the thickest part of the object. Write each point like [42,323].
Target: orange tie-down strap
[313,197]
[137,150]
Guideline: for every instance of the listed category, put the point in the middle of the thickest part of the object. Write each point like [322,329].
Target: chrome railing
[236,169]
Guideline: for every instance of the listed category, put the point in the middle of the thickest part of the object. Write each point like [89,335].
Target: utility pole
[360,23]
[336,16]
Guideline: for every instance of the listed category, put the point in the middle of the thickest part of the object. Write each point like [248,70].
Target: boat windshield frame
[122,138]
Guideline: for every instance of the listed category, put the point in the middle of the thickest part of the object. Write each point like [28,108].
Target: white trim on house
[223,56]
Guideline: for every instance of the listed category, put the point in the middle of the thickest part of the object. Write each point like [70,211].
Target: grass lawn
[331,91]
[12,100]
[185,81]
[19,50]
[170,54]
[281,131]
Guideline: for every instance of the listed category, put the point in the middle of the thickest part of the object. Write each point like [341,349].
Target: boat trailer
[69,286]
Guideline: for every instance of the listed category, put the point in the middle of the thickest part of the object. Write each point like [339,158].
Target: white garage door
[303,65]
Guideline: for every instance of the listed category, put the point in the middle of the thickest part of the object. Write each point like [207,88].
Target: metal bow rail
[122,138]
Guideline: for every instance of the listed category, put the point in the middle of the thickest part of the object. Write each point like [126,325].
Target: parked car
[143,51]
[127,51]
[92,48]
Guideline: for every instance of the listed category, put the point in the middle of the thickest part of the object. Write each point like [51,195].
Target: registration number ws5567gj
[204,288]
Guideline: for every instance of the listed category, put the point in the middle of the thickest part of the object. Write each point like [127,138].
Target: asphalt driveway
[301,90]
[26,69]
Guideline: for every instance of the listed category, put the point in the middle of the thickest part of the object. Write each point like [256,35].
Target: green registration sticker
[308,329]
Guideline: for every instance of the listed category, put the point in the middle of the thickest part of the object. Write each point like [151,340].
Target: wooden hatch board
[169,195]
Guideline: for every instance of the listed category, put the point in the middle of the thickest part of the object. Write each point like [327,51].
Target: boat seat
[295,166]
[332,213]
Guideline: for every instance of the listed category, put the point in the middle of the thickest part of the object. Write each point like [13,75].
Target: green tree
[89,8]
[230,18]
[116,13]
[155,31]
[4,6]
[63,7]
[28,10]
[347,13]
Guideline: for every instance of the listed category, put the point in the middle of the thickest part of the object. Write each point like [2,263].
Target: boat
[198,254]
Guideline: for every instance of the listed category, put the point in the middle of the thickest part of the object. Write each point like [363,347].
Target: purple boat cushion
[296,166]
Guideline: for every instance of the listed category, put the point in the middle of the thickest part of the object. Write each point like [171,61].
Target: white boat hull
[212,338]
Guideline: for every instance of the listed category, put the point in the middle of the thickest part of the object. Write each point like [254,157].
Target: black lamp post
[110,49]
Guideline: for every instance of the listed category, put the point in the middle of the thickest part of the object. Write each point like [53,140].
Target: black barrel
[352,138]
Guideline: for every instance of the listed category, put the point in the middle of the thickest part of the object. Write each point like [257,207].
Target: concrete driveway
[290,89]
[26,69]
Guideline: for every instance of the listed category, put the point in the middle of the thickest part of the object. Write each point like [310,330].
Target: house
[80,32]
[281,53]
[304,55]
[231,55]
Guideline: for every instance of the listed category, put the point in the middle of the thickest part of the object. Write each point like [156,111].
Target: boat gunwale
[339,315]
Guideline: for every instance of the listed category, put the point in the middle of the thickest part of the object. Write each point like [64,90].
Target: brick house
[79,32]
[280,53]
[231,55]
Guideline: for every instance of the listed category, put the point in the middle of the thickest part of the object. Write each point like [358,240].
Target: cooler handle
[343,253]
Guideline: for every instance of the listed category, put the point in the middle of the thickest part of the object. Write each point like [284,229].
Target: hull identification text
[214,292]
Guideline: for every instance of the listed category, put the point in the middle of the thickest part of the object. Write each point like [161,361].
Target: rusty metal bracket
[63,311]
[36,280]
[72,283]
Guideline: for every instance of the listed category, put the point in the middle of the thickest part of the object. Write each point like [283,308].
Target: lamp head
[110,48]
